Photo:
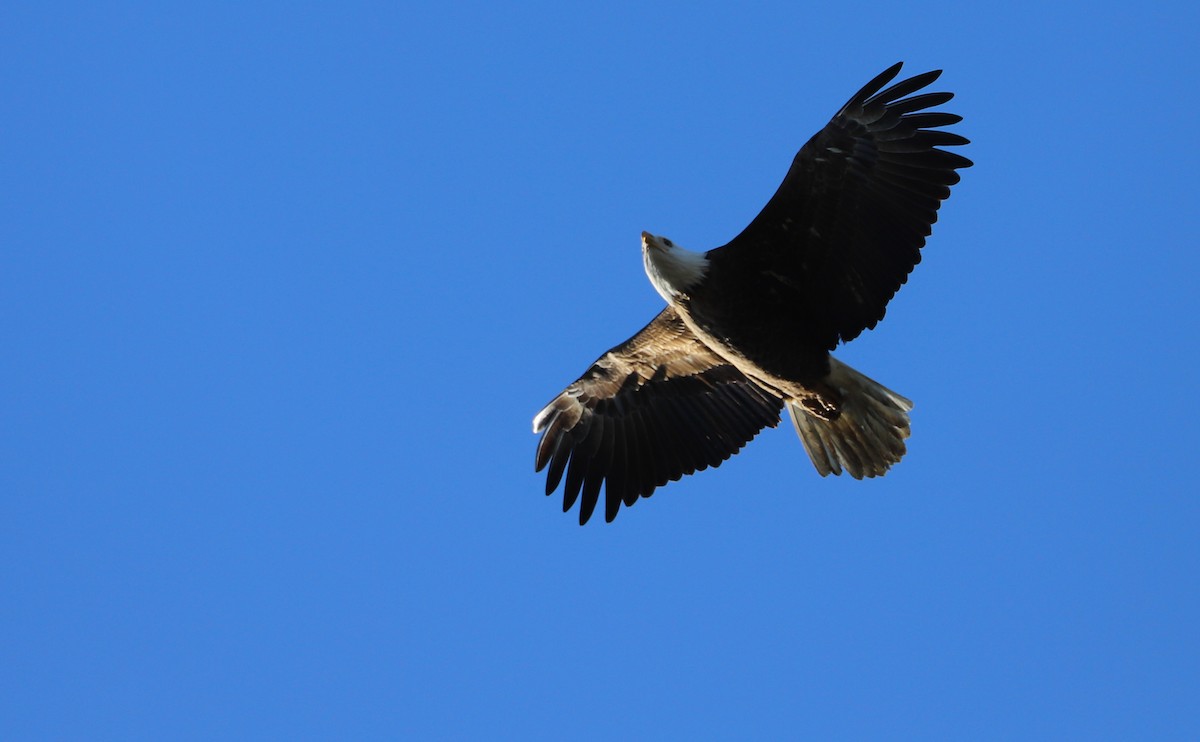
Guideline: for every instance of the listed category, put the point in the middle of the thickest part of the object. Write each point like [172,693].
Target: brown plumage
[749,325]
[656,407]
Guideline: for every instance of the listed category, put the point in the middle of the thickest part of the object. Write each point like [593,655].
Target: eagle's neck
[673,270]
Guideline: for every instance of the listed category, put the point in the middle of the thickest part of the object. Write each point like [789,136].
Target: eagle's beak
[647,240]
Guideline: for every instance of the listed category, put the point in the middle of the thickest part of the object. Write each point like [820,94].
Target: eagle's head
[673,270]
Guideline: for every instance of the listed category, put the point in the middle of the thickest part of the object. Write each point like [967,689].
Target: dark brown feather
[654,408]
[846,226]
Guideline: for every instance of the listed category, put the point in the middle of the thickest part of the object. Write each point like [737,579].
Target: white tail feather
[866,438]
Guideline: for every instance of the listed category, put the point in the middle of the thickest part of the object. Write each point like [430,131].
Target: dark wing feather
[656,407]
[846,226]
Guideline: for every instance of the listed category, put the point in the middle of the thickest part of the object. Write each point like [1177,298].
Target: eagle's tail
[866,438]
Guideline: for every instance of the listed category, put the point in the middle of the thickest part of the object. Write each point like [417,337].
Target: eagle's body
[749,326]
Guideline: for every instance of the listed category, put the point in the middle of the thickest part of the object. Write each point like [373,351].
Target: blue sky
[282,286]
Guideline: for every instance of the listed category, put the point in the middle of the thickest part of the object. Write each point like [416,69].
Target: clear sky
[283,284]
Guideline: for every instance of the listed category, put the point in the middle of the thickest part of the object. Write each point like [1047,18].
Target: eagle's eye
[667,242]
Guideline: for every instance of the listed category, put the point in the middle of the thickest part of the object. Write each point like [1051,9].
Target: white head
[673,270]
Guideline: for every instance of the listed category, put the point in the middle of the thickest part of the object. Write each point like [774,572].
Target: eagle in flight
[749,326]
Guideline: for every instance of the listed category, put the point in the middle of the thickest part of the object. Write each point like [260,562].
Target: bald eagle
[749,326]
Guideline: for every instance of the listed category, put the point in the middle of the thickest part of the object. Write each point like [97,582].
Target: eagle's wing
[656,407]
[846,226]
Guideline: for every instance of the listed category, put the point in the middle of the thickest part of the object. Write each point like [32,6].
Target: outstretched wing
[656,407]
[846,226]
